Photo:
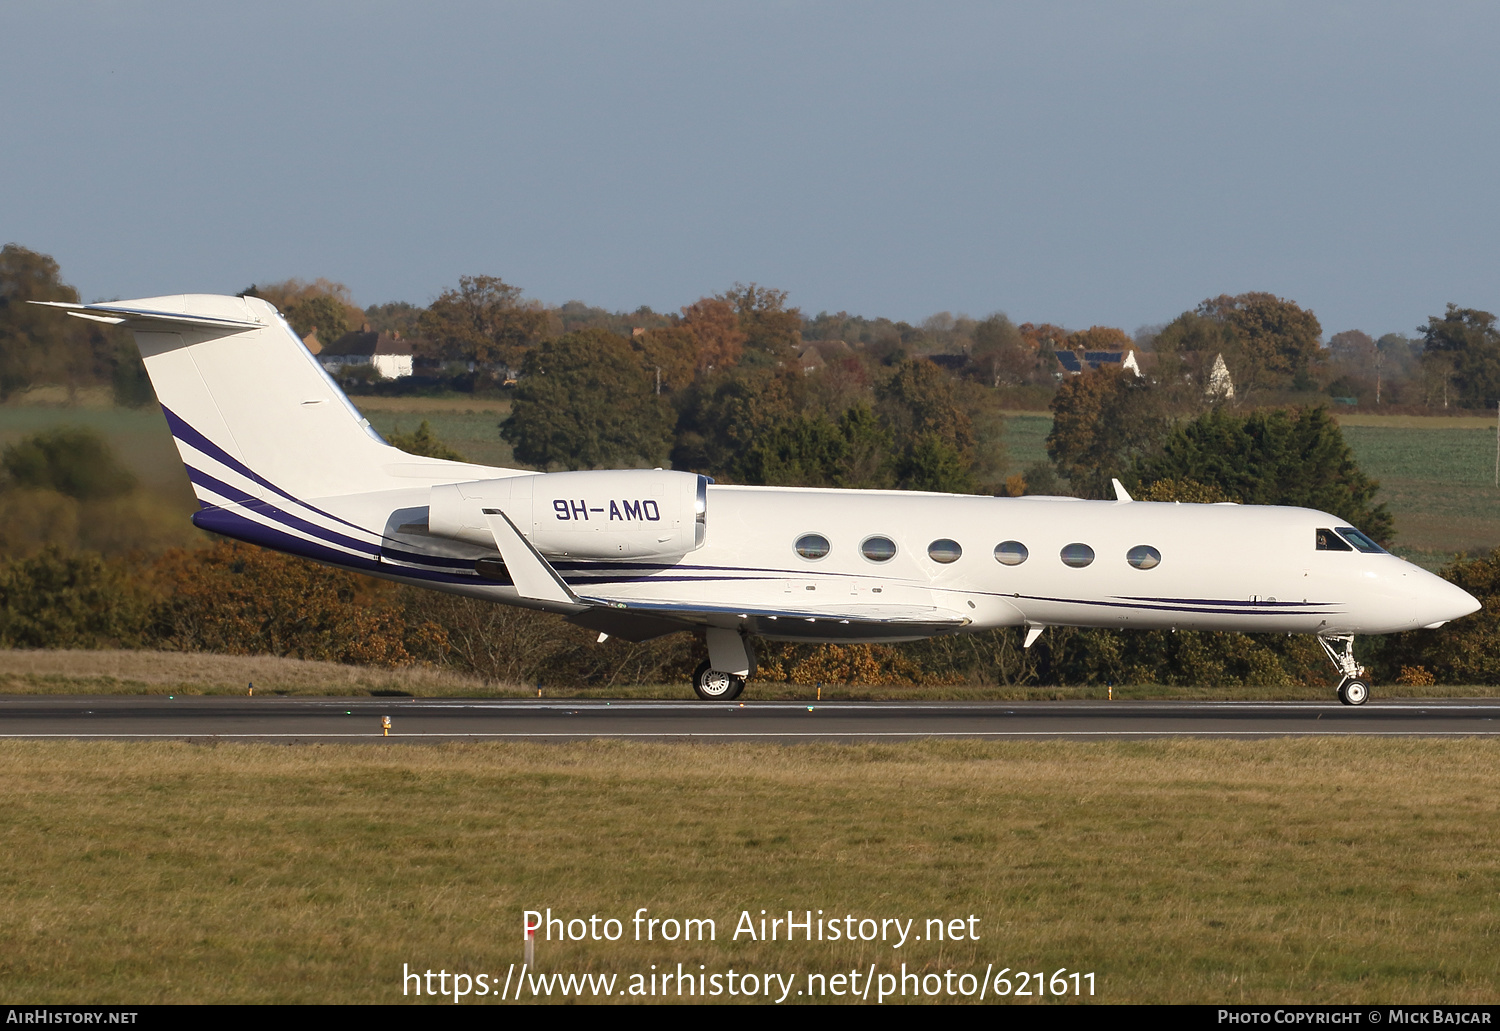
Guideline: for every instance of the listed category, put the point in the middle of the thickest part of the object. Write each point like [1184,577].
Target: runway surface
[307,720]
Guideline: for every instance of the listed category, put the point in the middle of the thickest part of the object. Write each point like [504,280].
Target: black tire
[1354,692]
[715,686]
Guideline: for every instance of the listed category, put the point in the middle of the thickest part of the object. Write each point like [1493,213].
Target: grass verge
[1316,870]
[85,672]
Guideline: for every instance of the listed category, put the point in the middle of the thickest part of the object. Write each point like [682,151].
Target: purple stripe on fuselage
[231,524]
[266,509]
[1186,609]
[185,433]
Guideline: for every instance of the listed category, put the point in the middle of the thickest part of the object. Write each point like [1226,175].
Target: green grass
[1439,482]
[472,431]
[1315,870]
[1026,438]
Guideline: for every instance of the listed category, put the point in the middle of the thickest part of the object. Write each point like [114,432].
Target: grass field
[66,672]
[1317,870]
[470,427]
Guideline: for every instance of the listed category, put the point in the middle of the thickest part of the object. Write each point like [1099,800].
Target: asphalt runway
[309,720]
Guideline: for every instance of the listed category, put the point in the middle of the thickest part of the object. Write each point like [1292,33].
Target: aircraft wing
[851,622]
[644,619]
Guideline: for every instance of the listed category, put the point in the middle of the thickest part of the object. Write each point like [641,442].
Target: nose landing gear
[1354,689]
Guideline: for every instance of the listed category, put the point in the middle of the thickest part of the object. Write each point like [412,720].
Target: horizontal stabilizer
[533,577]
[149,320]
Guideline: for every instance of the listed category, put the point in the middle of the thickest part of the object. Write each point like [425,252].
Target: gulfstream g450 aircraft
[279,457]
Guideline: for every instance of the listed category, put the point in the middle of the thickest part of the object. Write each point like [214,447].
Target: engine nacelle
[625,513]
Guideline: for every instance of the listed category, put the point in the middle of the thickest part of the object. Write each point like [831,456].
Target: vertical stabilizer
[243,395]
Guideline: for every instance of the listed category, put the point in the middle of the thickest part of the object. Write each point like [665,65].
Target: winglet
[534,578]
[1121,494]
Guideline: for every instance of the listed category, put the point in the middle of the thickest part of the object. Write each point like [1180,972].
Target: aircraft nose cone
[1443,601]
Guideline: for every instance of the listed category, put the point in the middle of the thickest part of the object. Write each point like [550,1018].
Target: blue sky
[1079,163]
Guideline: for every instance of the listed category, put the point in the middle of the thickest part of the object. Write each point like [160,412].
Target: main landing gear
[731,661]
[714,685]
[1354,688]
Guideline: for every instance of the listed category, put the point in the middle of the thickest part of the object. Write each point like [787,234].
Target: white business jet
[280,458]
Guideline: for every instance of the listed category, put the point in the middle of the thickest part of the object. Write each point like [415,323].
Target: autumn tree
[485,321]
[320,306]
[1465,345]
[714,329]
[240,600]
[584,402]
[1098,338]
[670,354]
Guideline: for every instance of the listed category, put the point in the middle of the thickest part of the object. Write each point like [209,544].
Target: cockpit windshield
[1360,541]
[1330,541]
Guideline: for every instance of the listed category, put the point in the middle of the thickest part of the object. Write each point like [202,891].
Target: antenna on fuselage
[1121,494]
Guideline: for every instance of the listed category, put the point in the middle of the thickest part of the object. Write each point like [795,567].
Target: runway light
[385,723]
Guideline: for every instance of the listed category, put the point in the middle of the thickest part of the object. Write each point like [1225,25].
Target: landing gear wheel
[1354,692]
[714,685]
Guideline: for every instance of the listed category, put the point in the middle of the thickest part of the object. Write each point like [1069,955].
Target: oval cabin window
[1077,555]
[878,549]
[944,551]
[1010,553]
[1143,556]
[812,546]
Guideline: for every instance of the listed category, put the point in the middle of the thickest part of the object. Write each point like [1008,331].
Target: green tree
[485,321]
[723,415]
[1466,341]
[73,461]
[38,345]
[773,332]
[932,435]
[1103,423]
[584,402]
[1273,458]
[1000,352]
[814,451]
[57,600]
[424,442]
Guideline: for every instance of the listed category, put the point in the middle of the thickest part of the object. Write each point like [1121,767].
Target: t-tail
[253,413]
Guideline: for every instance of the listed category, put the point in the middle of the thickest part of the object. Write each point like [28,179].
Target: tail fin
[236,382]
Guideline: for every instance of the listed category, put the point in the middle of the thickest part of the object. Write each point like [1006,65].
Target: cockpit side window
[1360,541]
[1330,541]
